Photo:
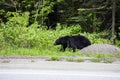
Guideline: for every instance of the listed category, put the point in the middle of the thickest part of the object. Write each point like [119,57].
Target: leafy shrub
[96,39]
[12,34]
[17,19]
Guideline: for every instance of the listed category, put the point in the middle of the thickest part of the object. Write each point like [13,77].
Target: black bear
[74,42]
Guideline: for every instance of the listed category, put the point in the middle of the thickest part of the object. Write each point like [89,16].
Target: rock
[101,48]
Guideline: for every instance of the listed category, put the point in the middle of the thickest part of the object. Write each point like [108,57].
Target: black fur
[74,42]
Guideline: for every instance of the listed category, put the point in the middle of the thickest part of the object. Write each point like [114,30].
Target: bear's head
[61,40]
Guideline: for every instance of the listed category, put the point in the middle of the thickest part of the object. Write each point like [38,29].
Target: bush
[40,38]
[17,19]
[96,39]
[29,37]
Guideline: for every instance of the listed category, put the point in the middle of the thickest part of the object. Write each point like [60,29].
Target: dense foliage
[38,23]
[91,15]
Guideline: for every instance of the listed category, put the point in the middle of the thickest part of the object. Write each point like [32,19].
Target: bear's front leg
[63,47]
[74,49]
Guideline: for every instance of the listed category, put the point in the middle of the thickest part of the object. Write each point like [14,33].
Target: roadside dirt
[35,59]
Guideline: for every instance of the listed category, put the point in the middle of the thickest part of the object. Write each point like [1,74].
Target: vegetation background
[30,27]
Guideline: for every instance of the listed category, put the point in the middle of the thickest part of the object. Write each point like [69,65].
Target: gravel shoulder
[27,64]
[37,59]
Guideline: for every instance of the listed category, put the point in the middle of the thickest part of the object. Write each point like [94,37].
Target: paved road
[21,69]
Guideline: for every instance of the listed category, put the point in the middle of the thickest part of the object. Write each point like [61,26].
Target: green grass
[48,52]
[107,60]
[79,60]
[35,52]
[117,56]
[74,59]
[96,60]
[55,55]
[54,58]
[11,51]
[70,59]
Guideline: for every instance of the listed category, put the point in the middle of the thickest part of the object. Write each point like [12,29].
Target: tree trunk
[113,21]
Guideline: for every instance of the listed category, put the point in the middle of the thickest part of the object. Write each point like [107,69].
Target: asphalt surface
[29,69]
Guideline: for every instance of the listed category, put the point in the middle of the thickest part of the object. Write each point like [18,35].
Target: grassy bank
[32,41]
[56,55]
